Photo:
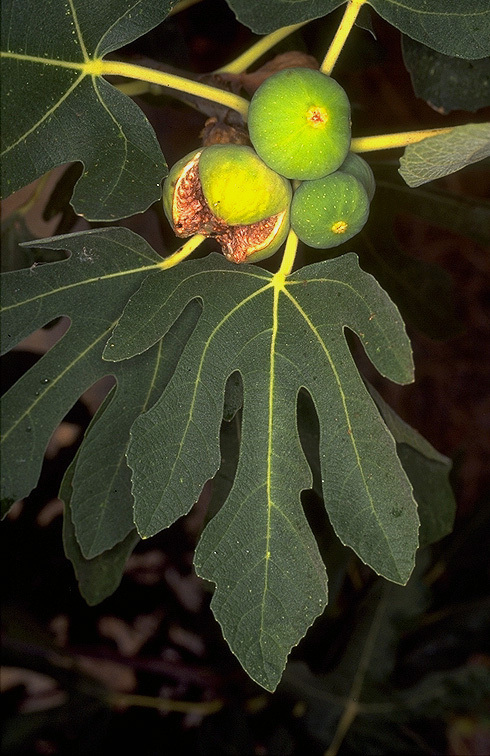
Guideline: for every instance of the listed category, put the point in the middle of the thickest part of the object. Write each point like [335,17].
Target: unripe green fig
[226,191]
[327,212]
[299,123]
[357,166]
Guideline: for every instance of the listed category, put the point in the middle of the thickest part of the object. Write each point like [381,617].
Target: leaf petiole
[338,42]
[181,6]
[390,141]
[245,60]
[288,258]
[168,81]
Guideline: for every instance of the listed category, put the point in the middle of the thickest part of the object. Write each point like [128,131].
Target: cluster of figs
[300,128]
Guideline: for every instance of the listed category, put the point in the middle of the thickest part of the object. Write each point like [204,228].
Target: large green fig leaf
[72,114]
[281,335]
[452,27]
[446,153]
[91,287]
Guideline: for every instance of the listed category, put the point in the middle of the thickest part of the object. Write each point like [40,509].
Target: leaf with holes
[73,113]
[280,335]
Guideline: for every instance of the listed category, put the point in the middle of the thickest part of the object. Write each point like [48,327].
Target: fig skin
[239,187]
[327,212]
[358,167]
[299,123]
[227,192]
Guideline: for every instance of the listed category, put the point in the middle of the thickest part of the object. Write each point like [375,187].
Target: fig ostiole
[357,166]
[299,123]
[327,212]
[226,191]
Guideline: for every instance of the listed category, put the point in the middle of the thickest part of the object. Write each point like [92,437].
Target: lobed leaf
[446,153]
[258,549]
[91,288]
[73,115]
[453,28]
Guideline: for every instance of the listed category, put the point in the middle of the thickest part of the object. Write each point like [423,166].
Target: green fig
[357,166]
[226,191]
[327,212]
[299,123]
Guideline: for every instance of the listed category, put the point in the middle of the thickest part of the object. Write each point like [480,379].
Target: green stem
[183,5]
[389,141]
[165,704]
[187,249]
[348,20]
[256,51]
[288,259]
[168,81]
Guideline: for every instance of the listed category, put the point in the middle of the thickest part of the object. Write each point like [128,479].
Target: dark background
[69,669]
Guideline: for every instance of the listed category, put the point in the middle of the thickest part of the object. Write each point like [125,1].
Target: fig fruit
[327,212]
[357,166]
[226,191]
[299,123]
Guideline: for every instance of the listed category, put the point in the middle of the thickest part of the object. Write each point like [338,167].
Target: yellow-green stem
[183,5]
[288,257]
[389,141]
[166,704]
[348,716]
[348,20]
[168,81]
[256,51]
[188,248]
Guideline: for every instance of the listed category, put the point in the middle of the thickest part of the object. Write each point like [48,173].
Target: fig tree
[327,212]
[299,123]
[226,191]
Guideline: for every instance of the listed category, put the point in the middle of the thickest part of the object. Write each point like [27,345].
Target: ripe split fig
[299,123]
[226,191]
[329,211]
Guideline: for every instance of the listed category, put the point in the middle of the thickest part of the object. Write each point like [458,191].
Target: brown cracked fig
[226,191]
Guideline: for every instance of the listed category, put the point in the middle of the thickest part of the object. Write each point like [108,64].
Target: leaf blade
[444,154]
[73,115]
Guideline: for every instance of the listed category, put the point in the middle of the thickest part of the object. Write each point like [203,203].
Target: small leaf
[447,153]
[259,550]
[99,577]
[447,83]
[73,115]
